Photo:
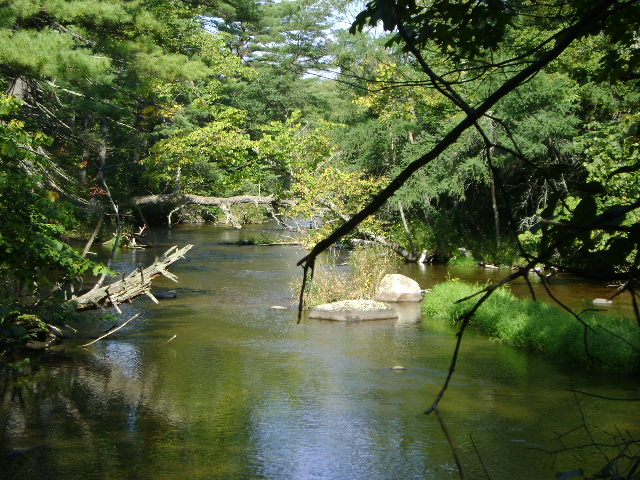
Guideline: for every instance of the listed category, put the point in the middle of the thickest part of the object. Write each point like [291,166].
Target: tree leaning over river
[507,128]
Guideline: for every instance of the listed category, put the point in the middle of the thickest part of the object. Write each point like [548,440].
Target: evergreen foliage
[220,99]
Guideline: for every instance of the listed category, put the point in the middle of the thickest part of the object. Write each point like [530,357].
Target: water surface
[216,385]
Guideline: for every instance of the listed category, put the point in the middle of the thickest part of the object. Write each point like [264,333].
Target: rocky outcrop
[353,311]
[398,288]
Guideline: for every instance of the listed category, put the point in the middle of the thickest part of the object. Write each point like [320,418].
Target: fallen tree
[176,201]
[135,284]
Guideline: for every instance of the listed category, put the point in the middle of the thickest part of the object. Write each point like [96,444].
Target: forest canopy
[509,129]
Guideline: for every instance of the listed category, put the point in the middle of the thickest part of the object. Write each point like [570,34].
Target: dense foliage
[110,100]
[509,129]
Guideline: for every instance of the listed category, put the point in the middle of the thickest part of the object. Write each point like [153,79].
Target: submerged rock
[398,288]
[353,311]
[165,294]
[278,307]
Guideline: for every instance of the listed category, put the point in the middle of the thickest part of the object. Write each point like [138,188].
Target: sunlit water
[216,385]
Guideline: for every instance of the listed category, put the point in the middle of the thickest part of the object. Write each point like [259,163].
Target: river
[215,384]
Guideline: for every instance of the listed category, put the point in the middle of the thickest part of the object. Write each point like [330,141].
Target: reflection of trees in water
[277,405]
[111,414]
[65,410]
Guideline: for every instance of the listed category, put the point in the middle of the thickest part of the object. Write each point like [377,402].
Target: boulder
[602,302]
[398,288]
[353,311]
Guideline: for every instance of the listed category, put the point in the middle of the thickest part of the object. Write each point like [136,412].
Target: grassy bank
[543,328]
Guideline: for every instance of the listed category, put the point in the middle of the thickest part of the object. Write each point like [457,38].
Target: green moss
[543,328]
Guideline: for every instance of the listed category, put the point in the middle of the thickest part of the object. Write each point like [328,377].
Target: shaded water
[242,392]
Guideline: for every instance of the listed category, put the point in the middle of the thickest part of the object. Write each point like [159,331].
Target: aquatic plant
[598,340]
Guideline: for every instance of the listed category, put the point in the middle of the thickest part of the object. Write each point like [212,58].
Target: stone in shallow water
[353,311]
[166,294]
[398,288]
[602,301]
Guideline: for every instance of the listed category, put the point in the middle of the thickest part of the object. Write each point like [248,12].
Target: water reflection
[408,312]
[242,392]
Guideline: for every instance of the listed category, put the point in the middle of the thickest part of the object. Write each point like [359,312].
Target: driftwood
[133,285]
[185,198]
[179,200]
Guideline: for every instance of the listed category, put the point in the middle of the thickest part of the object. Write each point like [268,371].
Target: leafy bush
[543,328]
[34,219]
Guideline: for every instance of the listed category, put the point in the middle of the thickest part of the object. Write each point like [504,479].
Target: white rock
[353,311]
[602,301]
[398,288]
[279,307]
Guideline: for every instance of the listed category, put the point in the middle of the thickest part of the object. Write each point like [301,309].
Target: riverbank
[602,342]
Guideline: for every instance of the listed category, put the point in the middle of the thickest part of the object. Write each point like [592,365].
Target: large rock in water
[603,302]
[398,288]
[353,311]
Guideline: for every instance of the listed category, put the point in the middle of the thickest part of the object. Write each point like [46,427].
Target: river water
[215,384]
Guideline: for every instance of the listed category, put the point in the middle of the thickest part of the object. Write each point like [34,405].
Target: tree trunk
[175,201]
[19,88]
[407,232]
[187,199]
[494,203]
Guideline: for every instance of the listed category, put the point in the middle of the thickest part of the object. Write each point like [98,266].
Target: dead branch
[176,201]
[133,285]
[604,397]
[188,199]
[111,331]
[96,230]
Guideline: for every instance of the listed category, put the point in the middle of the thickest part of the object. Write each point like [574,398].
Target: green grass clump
[462,261]
[613,342]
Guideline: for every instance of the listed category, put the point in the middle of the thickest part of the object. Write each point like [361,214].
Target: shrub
[542,327]
[460,260]
[356,280]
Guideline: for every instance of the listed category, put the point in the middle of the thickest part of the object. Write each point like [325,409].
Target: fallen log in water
[133,285]
[178,200]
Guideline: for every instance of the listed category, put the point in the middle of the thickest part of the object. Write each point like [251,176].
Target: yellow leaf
[53,196]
